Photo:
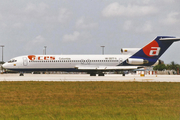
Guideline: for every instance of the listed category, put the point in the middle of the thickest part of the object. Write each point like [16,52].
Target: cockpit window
[11,61]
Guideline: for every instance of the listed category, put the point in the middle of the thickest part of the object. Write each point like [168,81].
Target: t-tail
[149,54]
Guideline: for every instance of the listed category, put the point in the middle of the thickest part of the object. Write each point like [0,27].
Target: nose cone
[5,65]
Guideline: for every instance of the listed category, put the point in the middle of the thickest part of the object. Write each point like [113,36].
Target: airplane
[130,59]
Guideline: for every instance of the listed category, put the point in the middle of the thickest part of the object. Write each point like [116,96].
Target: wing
[105,68]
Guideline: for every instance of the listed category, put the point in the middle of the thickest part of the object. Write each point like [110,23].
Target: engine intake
[129,51]
[158,62]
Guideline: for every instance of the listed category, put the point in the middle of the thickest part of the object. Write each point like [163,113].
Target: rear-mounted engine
[134,61]
[129,51]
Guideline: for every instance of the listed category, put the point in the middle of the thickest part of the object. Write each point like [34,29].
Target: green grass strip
[89,100]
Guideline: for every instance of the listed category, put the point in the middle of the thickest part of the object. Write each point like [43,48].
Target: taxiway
[86,77]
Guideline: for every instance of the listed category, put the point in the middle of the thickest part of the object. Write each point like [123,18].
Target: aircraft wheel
[92,74]
[21,74]
[101,74]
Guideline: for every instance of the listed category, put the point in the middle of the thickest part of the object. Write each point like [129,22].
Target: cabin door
[25,61]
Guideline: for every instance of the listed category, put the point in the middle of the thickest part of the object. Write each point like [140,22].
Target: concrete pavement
[86,77]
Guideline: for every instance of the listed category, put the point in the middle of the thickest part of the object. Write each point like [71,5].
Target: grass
[89,100]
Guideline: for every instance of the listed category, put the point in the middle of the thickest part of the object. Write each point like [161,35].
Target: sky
[82,26]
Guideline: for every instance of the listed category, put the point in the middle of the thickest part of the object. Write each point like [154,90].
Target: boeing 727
[130,59]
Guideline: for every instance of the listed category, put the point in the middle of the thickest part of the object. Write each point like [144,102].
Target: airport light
[45,49]
[102,50]
[2,52]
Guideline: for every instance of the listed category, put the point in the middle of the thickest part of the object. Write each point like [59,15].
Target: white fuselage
[62,62]
[131,58]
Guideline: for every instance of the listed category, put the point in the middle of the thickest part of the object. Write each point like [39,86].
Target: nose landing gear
[21,74]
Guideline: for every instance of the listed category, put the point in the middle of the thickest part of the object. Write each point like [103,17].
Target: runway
[86,77]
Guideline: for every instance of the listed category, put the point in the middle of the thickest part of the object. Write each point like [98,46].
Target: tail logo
[152,49]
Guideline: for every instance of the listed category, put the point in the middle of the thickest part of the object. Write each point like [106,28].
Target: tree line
[171,66]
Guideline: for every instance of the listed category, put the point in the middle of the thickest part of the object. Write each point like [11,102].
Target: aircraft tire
[92,74]
[101,74]
[21,74]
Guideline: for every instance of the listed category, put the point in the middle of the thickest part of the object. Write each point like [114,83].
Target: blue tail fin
[152,51]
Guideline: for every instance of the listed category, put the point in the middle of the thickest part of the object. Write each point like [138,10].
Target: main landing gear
[101,74]
[94,74]
[123,73]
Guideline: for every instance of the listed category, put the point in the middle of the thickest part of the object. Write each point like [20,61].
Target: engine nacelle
[158,62]
[134,61]
[129,51]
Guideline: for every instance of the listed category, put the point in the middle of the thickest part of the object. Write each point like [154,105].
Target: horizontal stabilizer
[169,39]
